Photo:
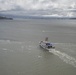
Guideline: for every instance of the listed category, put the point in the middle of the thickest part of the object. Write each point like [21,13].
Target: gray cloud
[39,7]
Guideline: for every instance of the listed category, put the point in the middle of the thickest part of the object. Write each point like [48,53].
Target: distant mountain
[32,17]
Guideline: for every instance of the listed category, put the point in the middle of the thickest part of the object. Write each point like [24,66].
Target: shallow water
[20,53]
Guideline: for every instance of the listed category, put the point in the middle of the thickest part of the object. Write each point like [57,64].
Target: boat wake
[65,57]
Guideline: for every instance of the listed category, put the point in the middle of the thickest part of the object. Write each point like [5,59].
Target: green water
[20,53]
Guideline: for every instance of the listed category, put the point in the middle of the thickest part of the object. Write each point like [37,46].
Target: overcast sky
[39,7]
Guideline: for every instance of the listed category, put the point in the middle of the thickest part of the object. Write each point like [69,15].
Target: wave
[10,41]
[65,57]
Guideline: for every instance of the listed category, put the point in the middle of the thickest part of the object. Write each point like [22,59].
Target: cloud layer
[39,7]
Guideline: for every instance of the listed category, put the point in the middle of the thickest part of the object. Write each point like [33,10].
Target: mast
[46,39]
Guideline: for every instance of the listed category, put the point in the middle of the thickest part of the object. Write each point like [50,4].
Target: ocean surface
[20,53]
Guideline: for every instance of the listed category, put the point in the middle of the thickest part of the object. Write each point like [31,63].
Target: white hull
[44,46]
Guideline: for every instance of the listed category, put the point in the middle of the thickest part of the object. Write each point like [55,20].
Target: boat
[46,45]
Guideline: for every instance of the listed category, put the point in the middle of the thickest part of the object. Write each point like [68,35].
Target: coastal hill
[5,18]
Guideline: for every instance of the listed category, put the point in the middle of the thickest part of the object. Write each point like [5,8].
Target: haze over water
[20,53]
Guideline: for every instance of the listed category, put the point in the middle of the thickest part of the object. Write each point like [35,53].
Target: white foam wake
[65,57]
